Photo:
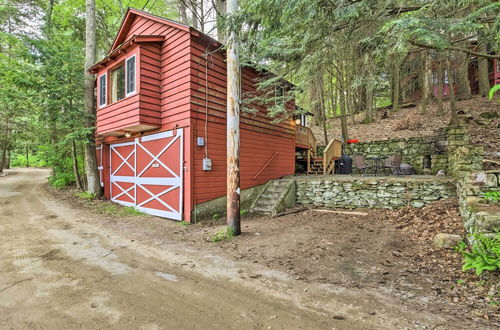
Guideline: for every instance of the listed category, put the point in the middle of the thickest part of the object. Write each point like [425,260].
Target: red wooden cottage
[159,126]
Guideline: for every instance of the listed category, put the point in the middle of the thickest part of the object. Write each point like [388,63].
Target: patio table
[377,161]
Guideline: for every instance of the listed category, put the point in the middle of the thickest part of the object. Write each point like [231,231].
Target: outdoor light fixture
[128,134]
[297,121]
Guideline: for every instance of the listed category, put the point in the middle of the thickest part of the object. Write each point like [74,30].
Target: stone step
[263,203]
[273,194]
[261,210]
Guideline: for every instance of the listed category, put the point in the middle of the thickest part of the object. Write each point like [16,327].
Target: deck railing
[304,136]
[332,151]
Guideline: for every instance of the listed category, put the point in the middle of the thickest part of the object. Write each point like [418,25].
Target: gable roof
[132,13]
[135,39]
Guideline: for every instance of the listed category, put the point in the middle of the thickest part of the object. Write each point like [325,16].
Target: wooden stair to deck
[317,165]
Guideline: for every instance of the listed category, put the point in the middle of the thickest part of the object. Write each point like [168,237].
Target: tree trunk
[75,165]
[5,143]
[220,10]
[370,66]
[440,85]
[396,83]
[425,65]
[194,12]
[343,119]
[483,76]
[183,13]
[27,156]
[463,83]
[93,181]
[8,160]
[48,17]
[84,175]
[354,92]
[451,82]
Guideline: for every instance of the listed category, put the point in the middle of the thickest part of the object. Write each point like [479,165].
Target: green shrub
[34,160]
[492,196]
[61,180]
[223,235]
[483,255]
[215,216]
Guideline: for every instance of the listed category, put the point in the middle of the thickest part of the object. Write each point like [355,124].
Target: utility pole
[233,125]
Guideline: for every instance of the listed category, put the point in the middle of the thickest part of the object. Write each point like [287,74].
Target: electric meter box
[207,164]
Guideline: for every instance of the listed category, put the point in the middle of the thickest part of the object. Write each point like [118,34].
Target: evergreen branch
[460,49]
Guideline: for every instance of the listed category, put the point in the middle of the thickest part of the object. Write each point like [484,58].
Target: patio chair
[388,163]
[361,165]
[393,164]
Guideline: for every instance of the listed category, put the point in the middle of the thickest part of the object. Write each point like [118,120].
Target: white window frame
[105,90]
[126,76]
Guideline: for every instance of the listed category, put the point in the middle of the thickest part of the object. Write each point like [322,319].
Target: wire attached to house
[206,100]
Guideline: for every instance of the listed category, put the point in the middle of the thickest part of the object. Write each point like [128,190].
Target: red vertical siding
[260,138]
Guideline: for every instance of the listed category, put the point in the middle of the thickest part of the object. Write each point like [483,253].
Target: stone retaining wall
[341,191]
[479,215]
[413,150]
[450,151]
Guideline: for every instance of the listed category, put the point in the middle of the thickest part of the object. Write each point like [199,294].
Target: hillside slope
[482,116]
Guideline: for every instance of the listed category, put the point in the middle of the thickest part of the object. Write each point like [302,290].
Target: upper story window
[123,82]
[102,90]
[131,75]
[118,83]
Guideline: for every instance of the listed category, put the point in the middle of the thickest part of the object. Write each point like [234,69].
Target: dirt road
[57,271]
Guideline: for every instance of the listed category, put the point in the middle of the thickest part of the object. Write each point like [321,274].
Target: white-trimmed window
[130,68]
[102,90]
[123,82]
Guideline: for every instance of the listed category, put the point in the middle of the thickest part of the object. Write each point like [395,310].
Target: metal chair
[361,165]
[388,163]
[393,164]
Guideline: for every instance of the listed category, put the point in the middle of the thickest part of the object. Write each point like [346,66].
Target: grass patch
[183,223]
[110,208]
[85,195]
[223,235]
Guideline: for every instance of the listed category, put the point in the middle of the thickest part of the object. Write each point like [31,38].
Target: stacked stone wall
[480,215]
[372,192]
[413,151]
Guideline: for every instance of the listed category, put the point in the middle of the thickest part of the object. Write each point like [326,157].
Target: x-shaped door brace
[156,158]
[157,197]
[124,191]
[124,160]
